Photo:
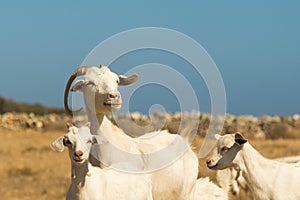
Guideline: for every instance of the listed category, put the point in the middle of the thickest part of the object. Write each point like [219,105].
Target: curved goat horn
[78,72]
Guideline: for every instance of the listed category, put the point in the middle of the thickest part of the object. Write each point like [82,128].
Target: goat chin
[113,107]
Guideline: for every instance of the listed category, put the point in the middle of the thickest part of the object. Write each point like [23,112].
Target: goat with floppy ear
[92,182]
[61,142]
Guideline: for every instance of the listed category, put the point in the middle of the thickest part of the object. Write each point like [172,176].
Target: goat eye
[118,81]
[67,142]
[224,149]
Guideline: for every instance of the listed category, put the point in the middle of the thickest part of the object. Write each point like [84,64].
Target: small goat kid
[267,179]
[90,182]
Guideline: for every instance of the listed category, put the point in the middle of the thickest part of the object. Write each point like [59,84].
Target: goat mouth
[112,104]
[78,160]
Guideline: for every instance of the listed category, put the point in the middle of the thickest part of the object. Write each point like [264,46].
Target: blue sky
[255,44]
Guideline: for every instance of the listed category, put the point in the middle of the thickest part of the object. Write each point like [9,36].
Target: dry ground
[30,170]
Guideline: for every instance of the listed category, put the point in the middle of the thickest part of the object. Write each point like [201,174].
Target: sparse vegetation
[23,171]
[38,109]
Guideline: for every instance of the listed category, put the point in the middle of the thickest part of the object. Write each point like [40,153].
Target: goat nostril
[208,162]
[78,153]
[114,95]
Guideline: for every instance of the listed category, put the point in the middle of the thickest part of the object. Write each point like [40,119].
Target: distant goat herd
[108,164]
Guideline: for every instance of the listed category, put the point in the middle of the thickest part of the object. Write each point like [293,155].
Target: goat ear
[58,145]
[93,139]
[88,124]
[98,139]
[69,124]
[78,86]
[127,80]
[239,138]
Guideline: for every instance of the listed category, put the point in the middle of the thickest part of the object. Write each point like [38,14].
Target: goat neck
[79,174]
[98,120]
[252,164]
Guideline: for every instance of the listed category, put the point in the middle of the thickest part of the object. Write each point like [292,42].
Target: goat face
[223,155]
[78,141]
[100,89]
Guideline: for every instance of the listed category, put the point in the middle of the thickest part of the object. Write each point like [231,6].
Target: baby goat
[90,182]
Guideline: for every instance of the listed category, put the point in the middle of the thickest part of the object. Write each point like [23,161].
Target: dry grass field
[30,170]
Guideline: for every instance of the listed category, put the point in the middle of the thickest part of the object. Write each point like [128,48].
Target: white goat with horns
[173,180]
[267,179]
[90,182]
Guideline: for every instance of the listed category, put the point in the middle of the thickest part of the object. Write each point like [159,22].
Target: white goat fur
[93,183]
[175,180]
[206,190]
[230,179]
[293,160]
[267,179]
